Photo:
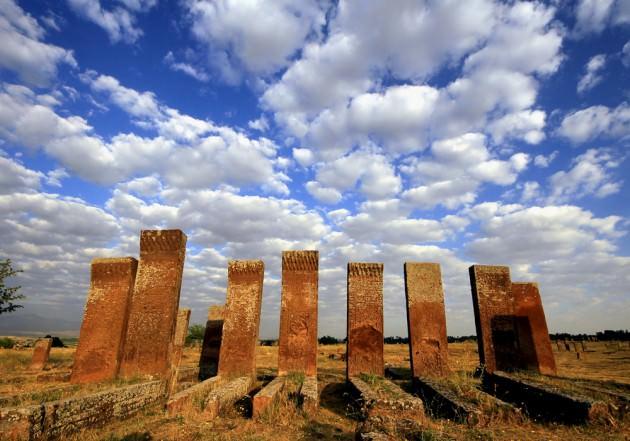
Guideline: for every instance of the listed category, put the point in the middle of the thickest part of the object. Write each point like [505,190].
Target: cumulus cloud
[14,177]
[257,37]
[591,174]
[22,50]
[455,171]
[592,75]
[595,121]
[593,16]
[119,22]
[186,68]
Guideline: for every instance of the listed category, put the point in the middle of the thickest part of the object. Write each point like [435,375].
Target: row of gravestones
[131,327]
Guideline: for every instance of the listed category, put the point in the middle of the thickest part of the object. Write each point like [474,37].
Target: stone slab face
[154,304]
[209,359]
[179,340]
[426,319]
[267,395]
[365,319]
[242,318]
[297,351]
[528,305]
[493,306]
[226,395]
[183,402]
[310,395]
[105,318]
[41,352]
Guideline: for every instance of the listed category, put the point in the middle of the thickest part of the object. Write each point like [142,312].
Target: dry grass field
[337,418]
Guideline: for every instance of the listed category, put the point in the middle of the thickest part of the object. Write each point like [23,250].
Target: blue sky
[442,131]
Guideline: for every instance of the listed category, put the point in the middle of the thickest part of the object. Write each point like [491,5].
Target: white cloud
[543,161]
[376,177]
[526,124]
[592,75]
[186,68]
[327,195]
[456,170]
[593,16]
[590,175]
[14,177]
[625,54]
[304,157]
[22,50]
[258,37]
[595,121]
[119,22]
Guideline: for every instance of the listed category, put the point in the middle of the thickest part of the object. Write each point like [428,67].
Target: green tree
[195,332]
[8,295]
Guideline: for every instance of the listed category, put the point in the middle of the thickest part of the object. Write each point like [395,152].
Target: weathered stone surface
[426,319]
[193,398]
[226,395]
[179,340]
[209,359]
[297,351]
[105,318]
[41,352]
[536,351]
[154,304]
[310,394]
[365,319]
[384,396]
[543,402]
[56,419]
[493,306]
[267,395]
[242,318]
[444,403]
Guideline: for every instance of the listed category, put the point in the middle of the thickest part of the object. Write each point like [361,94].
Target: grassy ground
[337,419]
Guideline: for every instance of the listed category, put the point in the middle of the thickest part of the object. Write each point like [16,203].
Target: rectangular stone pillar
[528,306]
[179,340]
[209,359]
[297,351]
[154,304]
[105,318]
[242,318]
[41,352]
[493,306]
[426,319]
[365,319]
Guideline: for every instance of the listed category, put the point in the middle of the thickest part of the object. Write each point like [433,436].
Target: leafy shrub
[6,343]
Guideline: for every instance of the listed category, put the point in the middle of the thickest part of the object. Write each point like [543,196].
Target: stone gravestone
[242,318]
[493,306]
[298,315]
[105,317]
[528,305]
[179,340]
[209,359]
[41,352]
[426,319]
[154,304]
[365,319]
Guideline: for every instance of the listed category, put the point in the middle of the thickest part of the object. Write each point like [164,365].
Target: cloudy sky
[442,131]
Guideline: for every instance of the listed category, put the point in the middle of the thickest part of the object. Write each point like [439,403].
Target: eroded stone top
[245,266]
[304,260]
[365,269]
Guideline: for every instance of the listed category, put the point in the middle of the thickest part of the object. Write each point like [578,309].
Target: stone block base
[267,396]
[226,395]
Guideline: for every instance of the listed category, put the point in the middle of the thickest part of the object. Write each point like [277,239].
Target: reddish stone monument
[426,319]
[242,318]
[493,306]
[297,350]
[105,319]
[365,319]
[154,304]
[209,359]
[179,340]
[536,351]
[41,353]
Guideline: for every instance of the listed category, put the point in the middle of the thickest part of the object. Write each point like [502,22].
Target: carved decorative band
[246,266]
[300,260]
[162,240]
[374,270]
[119,266]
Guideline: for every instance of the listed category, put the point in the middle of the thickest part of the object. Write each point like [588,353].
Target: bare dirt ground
[337,419]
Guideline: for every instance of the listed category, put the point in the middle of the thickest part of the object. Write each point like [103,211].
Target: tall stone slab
[493,305]
[209,359]
[237,357]
[528,309]
[41,352]
[179,340]
[297,350]
[426,319]
[105,318]
[365,319]
[154,304]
